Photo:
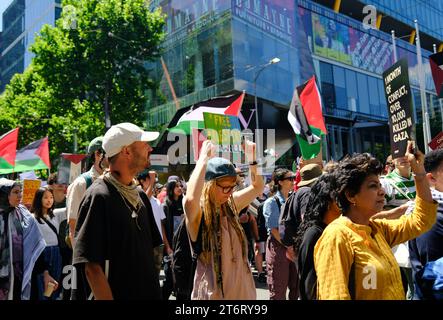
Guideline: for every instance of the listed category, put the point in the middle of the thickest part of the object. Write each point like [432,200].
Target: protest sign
[437,142]
[29,189]
[227,137]
[399,100]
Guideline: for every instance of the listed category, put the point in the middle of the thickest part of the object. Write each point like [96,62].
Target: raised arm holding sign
[399,101]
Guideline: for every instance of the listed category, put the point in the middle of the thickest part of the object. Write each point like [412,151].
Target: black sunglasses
[292,178]
[226,190]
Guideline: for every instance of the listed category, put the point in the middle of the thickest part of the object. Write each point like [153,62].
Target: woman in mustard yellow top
[353,257]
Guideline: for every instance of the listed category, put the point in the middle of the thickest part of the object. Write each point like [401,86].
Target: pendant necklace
[134,213]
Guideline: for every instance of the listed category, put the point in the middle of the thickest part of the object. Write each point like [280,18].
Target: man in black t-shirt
[116,231]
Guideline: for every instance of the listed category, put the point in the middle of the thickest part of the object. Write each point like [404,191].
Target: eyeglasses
[292,178]
[226,190]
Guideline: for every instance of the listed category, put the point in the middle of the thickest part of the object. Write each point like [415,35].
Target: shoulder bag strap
[53,228]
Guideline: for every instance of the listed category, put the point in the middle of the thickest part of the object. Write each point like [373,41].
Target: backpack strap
[278,202]
[88,178]
[195,251]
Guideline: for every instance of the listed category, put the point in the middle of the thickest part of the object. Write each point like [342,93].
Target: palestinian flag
[69,167]
[436,62]
[8,149]
[306,118]
[34,156]
[229,105]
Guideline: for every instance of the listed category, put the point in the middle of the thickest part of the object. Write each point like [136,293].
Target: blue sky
[3,5]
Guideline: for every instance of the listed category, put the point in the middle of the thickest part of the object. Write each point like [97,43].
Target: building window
[351,90]
[363,95]
[327,87]
[374,101]
[340,87]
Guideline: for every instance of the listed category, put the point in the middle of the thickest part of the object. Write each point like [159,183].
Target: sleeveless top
[238,283]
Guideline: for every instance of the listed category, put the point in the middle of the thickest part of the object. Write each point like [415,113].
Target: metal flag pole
[424,106]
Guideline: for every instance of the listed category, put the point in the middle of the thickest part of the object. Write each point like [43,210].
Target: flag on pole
[8,149]
[229,105]
[34,156]
[306,118]
[69,167]
[436,62]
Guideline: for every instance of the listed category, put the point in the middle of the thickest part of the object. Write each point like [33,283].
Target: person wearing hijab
[21,245]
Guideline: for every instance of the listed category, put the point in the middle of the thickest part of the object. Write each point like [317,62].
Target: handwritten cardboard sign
[29,189]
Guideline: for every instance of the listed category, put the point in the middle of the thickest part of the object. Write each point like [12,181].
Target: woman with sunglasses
[223,270]
[282,273]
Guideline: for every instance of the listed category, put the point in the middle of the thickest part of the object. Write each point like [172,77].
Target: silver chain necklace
[134,213]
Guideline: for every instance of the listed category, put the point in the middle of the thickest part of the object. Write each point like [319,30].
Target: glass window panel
[363,95]
[351,90]
[381,95]
[326,73]
[374,105]
[339,76]
[340,87]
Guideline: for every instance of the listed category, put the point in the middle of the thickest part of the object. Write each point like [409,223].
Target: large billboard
[330,39]
[343,40]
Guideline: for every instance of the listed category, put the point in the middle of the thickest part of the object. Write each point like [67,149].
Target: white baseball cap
[124,134]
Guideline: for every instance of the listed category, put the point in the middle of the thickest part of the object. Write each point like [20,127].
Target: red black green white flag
[8,149]
[34,156]
[306,118]
[227,105]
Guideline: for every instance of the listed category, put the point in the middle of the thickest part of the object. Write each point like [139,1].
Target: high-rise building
[217,47]
[22,20]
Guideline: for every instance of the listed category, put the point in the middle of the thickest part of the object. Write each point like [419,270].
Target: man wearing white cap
[116,232]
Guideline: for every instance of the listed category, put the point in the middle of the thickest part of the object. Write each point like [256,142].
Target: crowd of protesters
[353,229]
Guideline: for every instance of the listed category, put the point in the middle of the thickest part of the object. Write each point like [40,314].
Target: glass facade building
[22,20]
[428,13]
[216,47]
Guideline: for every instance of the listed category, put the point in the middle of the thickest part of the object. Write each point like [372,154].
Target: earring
[353,203]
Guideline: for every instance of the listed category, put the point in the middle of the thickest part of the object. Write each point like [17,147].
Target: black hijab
[6,186]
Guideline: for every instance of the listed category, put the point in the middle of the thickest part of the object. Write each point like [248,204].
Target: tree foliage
[97,54]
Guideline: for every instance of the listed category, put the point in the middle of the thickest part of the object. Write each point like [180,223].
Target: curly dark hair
[350,175]
[323,192]
[277,176]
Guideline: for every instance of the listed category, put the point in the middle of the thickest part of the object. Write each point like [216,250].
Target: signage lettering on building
[183,13]
[274,17]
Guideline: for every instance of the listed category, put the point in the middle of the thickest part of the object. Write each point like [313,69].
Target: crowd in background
[353,229]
